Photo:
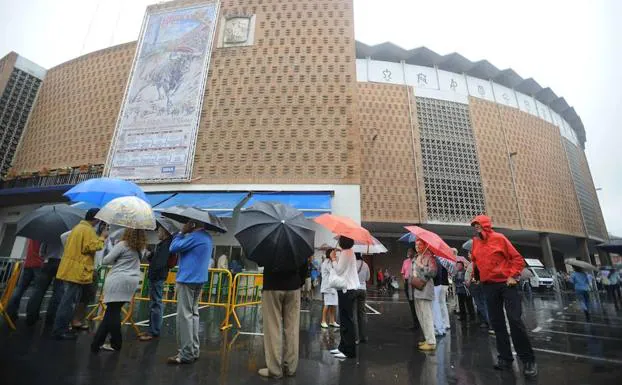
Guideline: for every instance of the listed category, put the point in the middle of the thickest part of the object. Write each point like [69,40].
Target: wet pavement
[569,351]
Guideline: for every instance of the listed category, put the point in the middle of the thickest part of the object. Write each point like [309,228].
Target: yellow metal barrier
[216,292]
[97,314]
[11,272]
[247,289]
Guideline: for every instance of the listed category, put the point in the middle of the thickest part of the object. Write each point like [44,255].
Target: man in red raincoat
[499,267]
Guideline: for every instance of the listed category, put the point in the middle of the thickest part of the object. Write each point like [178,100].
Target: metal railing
[73,177]
[247,288]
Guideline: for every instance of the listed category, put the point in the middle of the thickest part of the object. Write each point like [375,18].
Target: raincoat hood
[485,222]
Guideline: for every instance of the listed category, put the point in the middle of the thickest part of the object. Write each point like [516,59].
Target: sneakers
[266,373]
[530,369]
[335,325]
[491,332]
[335,351]
[324,325]
[340,356]
[503,364]
[427,347]
[108,348]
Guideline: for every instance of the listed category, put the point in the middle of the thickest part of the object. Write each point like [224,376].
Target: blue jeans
[156,306]
[66,308]
[47,276]
[583,297]
[480,301]
[28,276]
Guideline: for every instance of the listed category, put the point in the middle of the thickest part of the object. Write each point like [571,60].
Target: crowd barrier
[247,288]
[10,270]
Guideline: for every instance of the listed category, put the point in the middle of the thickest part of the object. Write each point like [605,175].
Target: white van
[541,277]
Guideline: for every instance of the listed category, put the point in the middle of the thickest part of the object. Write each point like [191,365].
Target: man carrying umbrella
[499,267]
[76,270]
[194,246]
[30,273]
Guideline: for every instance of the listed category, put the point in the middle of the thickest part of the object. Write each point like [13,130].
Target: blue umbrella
[408,238]
[100,191]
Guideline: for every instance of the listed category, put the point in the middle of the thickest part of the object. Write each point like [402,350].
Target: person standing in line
[439,306]
[361,296]
[51,254]
[611,286]
[582,285]
[89,292]
[30,274]
[307,290]
[280,305]
[76,270]
[465,302]
[158,272]
[346,268]
[329,293]
[477,292]
[120,286]
[499,267]
[406,273]
[194,247]
[423,272]
[223,262]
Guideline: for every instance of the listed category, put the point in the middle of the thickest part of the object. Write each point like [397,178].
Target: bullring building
[220,104]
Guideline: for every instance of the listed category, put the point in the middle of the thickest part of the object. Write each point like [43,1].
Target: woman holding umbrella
[423,272]
[345,267]
[120,286]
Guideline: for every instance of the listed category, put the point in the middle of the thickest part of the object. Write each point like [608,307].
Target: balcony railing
[55,178]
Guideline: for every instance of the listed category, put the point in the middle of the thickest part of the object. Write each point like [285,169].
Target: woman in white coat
[329,294]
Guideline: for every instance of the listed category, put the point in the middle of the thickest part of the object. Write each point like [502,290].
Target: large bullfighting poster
[159,118]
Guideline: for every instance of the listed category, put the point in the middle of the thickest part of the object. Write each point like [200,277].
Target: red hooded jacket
[493,254]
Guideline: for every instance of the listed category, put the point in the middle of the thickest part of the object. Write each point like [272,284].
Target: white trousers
[423,307]
[439,308]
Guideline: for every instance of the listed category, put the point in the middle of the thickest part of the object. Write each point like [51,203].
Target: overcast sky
[571,46]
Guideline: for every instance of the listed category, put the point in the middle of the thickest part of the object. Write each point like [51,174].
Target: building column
[605,258]
[583,250]
[547,252]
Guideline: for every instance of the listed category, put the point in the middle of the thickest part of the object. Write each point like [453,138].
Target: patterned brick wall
[494,165]
[283,110]
[6,68]
[388,183]
[543,181]
[76,111]
[280,111]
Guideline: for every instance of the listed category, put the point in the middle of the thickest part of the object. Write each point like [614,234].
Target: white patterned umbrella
[130,212]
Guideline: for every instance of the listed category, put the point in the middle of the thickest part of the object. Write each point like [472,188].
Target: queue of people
[490,280]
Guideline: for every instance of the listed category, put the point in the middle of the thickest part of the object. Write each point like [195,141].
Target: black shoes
[503,365]
[530,369]
[66,336]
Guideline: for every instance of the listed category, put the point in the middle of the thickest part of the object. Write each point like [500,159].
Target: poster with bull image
[158,122]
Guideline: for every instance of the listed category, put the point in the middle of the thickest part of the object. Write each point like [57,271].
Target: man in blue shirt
[194,247]
[582,282]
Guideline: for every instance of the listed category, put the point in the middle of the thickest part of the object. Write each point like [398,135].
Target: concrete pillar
[605,257]
[547,252]
[583,251]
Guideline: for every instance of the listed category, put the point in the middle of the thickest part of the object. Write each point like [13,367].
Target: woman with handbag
[329,293]
[120,286]
[346,280]
[423,273]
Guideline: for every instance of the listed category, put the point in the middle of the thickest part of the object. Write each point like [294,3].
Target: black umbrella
[47,223]
[275,235]
[183,214]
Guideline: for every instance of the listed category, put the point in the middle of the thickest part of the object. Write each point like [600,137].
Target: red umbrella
[435,244]
[346,227]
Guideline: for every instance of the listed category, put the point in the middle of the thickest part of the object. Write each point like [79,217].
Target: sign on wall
[158,122]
